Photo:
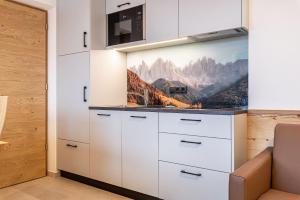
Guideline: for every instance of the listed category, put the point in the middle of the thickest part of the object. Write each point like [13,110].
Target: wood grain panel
[23,72]
[261,126]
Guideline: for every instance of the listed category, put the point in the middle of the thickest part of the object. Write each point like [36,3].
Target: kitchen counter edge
[233,111]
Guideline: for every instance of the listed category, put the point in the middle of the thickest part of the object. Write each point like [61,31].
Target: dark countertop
[225,111]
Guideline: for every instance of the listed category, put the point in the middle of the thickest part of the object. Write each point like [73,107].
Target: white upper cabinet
[73,25]
[81,25]
[73,97]
[161,20]
[208,16]
[113,6]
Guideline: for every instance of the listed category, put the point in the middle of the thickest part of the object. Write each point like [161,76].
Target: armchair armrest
[253,179]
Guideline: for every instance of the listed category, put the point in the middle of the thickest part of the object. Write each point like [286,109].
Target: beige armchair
[275,173]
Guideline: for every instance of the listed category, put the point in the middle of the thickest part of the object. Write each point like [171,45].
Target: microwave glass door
[126,26]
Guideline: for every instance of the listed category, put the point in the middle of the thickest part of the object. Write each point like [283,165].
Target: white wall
[50,6]
[274,54]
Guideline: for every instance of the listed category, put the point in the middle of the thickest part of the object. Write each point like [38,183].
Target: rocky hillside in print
[234,96]
[156,97]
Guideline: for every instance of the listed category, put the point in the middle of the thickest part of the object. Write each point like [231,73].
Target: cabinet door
[72,100]
[106,130]
[161,20]
[140,152]
[73,157]
[73,26]
[206,16]
[113,6]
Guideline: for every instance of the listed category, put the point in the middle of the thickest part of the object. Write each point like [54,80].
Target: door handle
[139,117]
[84,39]
[191,120]
[124,4]
[104,115]
[189,173]
[84,94]
[190,142]
[72,146]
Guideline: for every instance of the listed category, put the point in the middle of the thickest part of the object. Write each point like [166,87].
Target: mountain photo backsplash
[200,75]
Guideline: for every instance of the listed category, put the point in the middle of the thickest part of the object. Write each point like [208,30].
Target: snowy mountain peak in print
[211,82]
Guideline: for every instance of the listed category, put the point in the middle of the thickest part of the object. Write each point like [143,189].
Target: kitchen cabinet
[197,153]
[178,182]
[161,20]
[81,26]
[105,156]
[113,6]
[140,152]
[73,157]
[195,124]
[73,97]
[198,17]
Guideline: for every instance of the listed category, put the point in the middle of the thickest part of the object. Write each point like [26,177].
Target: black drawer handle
[189,173]
[139,117]
[84,39]
[191,120]
[72,146]
[104,115]
[190,142]
[124,4]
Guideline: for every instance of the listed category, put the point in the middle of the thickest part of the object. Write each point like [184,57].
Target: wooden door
[23,72]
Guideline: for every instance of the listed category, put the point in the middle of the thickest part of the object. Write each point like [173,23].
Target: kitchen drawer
[74,157]
[209,153]
[113,6]
[175,183]
[218,126]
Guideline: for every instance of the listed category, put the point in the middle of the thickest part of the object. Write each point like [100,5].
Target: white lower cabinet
[179,182]
[105,144]
[140,152]
[209,153]
[74,157]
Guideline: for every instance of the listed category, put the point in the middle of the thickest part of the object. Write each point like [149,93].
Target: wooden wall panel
[23,72]
[261,126]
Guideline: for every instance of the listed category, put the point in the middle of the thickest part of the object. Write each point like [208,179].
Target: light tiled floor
[49,188]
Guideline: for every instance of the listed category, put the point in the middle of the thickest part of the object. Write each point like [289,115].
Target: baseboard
[108,187]
[53,174]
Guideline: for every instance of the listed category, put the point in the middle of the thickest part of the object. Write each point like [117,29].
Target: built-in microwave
[126,26]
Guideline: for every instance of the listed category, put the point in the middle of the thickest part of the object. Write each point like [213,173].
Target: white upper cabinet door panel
[206,16]
[161,20]
[73,97]
[73,26]
[113,6]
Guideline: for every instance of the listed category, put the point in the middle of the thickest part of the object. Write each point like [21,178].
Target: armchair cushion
[253,179]
[286,159]
[278,195]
